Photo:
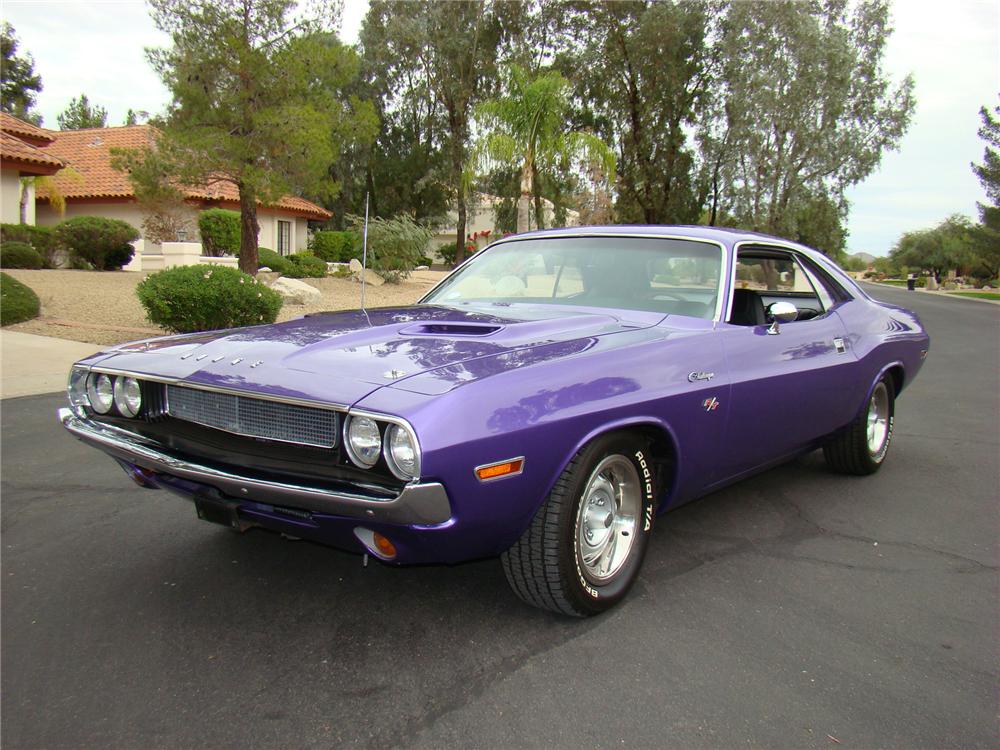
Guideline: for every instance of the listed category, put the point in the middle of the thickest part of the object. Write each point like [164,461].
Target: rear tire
[585,546]
[862,447]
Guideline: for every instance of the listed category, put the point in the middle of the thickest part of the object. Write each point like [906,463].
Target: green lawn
[979,295]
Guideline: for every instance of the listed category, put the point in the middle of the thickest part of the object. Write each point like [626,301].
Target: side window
[772,274]
[765,276]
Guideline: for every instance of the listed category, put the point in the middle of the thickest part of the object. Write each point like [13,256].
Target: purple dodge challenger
[544,403]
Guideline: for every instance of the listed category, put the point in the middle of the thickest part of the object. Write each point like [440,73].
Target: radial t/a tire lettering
[585,546]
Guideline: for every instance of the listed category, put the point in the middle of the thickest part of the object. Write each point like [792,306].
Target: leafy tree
[643,73]
[944,248]
[806,108]
[528,127]
[258,100]
[80,114]
[442,54]
[820,223]
[136,117]
[986,236]
[19,83]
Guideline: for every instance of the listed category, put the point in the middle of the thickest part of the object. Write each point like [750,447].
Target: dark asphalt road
[794,608]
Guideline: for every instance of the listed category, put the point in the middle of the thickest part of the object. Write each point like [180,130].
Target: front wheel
[586,543]
[862,447]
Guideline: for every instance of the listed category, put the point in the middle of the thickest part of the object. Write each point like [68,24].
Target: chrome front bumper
[417,504]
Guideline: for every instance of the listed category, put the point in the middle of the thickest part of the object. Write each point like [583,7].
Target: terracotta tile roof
[88,152]
[26,158]
[35,135]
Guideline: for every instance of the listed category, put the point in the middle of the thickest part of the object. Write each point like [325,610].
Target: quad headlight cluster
[105,393]
[368,439]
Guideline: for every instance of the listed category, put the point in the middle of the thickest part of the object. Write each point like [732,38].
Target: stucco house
[22,154]
[93,188]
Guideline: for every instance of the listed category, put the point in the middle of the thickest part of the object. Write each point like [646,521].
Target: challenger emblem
[696,376]
[710,404]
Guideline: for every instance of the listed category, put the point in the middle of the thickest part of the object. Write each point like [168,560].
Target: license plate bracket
[220,510]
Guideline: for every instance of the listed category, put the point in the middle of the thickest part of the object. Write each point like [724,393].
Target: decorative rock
[263,269]
[370,276]
[422,268]
[267,276]
[296,292]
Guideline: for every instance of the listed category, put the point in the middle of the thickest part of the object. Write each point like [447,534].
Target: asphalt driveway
[798,609]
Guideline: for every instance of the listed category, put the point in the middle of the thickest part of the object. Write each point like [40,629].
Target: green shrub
[43,239]
[19,255]
[203,298]
[395,246]
[220,232]
[103,243]
[267,257]
[17,302]
[335,247]
[307,265]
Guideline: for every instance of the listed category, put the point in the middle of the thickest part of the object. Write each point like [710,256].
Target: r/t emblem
[710,404]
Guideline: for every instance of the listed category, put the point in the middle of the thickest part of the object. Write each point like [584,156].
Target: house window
[284,237]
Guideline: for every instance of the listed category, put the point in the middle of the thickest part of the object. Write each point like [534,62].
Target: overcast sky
[952,49]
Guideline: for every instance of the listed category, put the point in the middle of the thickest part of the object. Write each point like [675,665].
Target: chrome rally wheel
[606,518]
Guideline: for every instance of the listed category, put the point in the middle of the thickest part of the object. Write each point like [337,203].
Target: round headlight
[128,396]
[100,391]
[402,454]
[364,443]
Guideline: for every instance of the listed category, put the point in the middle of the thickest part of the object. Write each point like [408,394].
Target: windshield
[679,277]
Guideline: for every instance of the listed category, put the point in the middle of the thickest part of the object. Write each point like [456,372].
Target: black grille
[254,417]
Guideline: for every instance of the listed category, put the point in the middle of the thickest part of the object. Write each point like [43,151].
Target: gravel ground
[101,308]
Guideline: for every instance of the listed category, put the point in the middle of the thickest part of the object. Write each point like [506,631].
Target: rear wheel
[586,544]
[862,447]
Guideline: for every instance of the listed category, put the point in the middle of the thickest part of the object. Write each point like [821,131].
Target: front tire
[585,545]
[862,447]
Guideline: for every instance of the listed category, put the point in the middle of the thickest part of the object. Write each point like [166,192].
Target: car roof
[725,235]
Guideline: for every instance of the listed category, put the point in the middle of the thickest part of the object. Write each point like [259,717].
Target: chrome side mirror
[780,312]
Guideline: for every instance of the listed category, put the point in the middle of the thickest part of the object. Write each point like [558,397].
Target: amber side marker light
[384,546]
[503,469]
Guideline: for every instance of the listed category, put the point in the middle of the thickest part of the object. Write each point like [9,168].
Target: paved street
[798,609]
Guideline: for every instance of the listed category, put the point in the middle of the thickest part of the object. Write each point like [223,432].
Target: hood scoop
[445,328]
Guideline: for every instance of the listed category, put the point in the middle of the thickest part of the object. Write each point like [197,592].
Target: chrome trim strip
[498,463]
[720,292]
[420,504]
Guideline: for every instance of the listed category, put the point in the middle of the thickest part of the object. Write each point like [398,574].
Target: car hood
[341,357]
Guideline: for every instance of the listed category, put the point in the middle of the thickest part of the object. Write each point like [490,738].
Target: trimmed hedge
[335,247]
[267,257]
[43,239]
[220,232]
[103,243]
[18,303]
[307,265]
[19,255]
[205,298]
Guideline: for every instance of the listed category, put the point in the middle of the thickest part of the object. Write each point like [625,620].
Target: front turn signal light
[506,468]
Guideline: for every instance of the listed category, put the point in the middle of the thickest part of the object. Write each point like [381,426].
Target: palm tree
[529,127]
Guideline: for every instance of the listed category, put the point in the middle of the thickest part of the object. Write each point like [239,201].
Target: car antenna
[364,254]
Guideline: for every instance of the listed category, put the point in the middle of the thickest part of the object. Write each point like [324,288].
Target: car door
[789,381]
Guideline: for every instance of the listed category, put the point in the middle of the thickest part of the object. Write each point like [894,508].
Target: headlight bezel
[121,383]
[96,396]
[352,451]
[76,390]
[395,465]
